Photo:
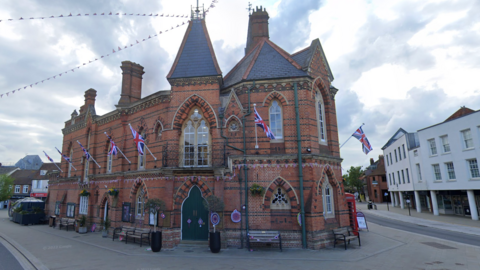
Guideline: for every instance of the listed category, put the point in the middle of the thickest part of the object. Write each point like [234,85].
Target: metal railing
[192,156]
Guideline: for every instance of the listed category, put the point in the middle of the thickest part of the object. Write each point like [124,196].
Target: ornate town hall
[202,137]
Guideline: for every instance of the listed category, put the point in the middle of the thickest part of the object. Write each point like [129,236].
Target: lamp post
[386,195]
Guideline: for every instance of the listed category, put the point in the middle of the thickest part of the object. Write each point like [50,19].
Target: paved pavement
[445,222]
[381,248]
[8,261]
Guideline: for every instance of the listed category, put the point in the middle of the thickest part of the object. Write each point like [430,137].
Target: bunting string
[104,14]
[119,48]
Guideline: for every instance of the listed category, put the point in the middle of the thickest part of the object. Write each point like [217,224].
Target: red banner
[38,194]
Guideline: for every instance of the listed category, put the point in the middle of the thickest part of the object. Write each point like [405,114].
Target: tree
[353,178]
[6,187]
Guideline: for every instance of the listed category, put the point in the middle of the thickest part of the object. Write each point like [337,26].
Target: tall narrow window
[404,154]
[328,200]
[473,166]
[396,157]
[320,118]
[399,153]
[142,157]
[196,141]
[403,176]
[399,179]
[70,164]
[436,172]
[393,176]
[140,205]
[276,124]
[109,159]
[433,147]
[450,170]
[445,144]
[83,207]
[391,160]
[419,173]
[87,162]
[467,139]
[57,208]
[388,164]
[408,176]
[390,178]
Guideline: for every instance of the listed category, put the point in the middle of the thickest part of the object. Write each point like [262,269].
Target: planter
[82,230]
[156,241]
[104,233]
[215,242]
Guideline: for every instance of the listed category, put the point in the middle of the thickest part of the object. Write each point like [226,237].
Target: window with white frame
[445,144]
[450,170]
[276,122]
[70,163]
[57,208]
[419,172]
[322,137]
[280,199]
[43,172]
[436,172]
[83,207]
[70,210]
[25,189]
[328,205]
[196,140]
[408,176]
[140,202]
[473,167]
[17,188]
[433,147]
[109,159]
[399,153]
[467,139]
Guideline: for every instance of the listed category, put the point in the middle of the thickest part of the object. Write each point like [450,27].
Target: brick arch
[183,190]
[194,100]
[231,118]
[322,86]
[275,95]
[328,171]
[280,182]
[139,183]
[105,197]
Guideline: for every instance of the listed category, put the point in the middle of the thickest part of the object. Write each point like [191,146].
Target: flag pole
[256,140]
[350,136]
[145,145]
[91,156]
[53,162]
[119,150]
[65,158]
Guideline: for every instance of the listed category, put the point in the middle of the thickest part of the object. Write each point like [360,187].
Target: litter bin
[51,221]
[370,203]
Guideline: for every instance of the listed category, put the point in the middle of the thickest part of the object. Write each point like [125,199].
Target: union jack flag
[64,156]
[113,147]
[259,122]
[87,155]
[366,146]
[139,141]
[48,157]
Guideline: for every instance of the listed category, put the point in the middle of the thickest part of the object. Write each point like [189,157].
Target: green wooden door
[192,212]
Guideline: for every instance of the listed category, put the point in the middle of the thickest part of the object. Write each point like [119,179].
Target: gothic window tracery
[196,141]
[280,199]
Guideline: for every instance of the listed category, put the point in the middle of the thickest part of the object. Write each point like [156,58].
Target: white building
[438,170]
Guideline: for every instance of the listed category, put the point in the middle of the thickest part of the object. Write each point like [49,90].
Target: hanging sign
[236,216]
[362,222]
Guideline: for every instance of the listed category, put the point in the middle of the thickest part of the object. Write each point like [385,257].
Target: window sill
[474,179]
[277,141]
[468,149]
[437,181]
[434,155]
[446,153]
[329,216]
[452,180]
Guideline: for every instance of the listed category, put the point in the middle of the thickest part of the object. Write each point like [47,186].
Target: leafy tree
[353,178]
[6,187]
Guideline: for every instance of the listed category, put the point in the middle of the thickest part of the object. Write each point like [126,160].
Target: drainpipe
[300,170]
[245,169]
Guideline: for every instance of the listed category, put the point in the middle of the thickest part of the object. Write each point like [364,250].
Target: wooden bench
[122,231]
[138,234]
[264,237]
[345,234]
[66,222]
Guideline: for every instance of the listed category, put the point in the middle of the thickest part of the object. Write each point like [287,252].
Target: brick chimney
[371,161]
[257,28]
[90,96]
[131,83]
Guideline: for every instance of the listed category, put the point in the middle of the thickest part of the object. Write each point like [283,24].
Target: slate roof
[302,57]
[265,61]
[29,162]
[195,57]
[7,169]
[24,177]
[47,167]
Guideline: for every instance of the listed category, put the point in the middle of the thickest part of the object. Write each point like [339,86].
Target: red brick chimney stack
[371,161]
[131,83]
[257,28]
[90,96]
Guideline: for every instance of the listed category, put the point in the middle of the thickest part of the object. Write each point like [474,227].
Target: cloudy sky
[406,63]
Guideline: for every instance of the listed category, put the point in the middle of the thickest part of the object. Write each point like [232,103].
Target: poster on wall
[362,222]
[151,219]
[126,212]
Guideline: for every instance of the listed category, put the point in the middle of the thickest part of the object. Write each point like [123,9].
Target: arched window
[140,203]
[159,130]
[328,200]
[109,159]
[70,164]
[196,141]
[142,159]
[321,127]
[280,199]
[276,121]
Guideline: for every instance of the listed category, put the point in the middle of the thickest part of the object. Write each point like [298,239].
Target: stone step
[188,243]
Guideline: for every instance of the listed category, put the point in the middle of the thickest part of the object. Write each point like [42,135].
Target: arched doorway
[105,211]
[193,212]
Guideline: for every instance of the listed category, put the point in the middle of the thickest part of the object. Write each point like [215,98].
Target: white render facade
[443,167]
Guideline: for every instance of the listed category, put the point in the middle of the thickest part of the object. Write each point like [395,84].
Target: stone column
[417,202]
[434,202]
[402,203]
[472,204]
[392,198]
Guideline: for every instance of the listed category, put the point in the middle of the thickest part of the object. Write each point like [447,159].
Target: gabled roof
[196,57]
[24,177]
[7,169]
[304,57]
[29,162]
[395,137]
[459,113]
[265,61]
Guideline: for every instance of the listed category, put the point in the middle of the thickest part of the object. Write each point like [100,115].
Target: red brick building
[201,132]
[376,180]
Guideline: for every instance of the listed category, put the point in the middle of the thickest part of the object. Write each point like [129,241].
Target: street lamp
[386,195]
